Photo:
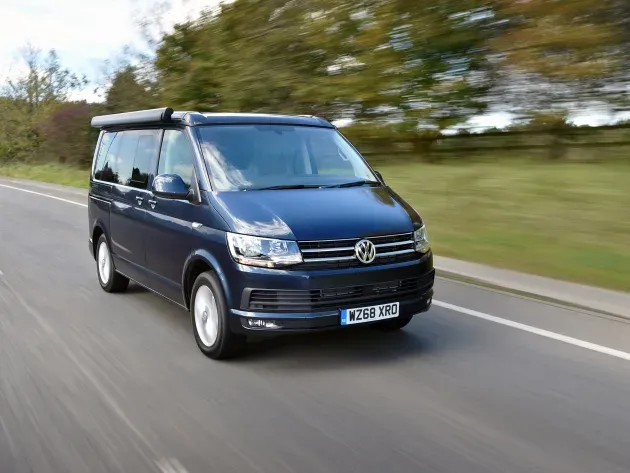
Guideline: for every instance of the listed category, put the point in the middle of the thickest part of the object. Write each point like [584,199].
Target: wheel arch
[98,229]
[199,262]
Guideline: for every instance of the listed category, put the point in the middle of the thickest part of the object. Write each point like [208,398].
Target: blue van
[253,223]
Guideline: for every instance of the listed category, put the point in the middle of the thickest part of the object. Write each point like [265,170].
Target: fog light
[262,323]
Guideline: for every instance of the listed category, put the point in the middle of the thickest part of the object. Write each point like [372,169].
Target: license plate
[369,314]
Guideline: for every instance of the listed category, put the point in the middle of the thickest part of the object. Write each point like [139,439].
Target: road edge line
[536,331]
[44,195]
[556,301]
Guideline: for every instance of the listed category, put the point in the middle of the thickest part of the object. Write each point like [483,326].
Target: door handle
[152,203]
[139,200]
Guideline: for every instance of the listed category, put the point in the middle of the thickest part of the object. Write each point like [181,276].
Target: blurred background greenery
[407,81]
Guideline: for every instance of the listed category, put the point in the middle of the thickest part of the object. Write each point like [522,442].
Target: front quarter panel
[211,248]
[209,242]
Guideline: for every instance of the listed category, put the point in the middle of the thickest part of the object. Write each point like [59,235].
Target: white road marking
[44,195]
[537,331]
[491,318]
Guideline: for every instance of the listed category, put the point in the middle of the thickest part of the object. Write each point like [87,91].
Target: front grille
[268,300]
[333,254]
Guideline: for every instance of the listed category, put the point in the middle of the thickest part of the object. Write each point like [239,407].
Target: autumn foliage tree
[29,103]
[67,136]
[403,72]
[126,92]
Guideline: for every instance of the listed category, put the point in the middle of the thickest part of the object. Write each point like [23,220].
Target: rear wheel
[392,324]
[209,314]
[110,280]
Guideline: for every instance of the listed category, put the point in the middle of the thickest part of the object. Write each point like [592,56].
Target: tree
[413,63]
[67,136]
[126,93]
[188,72]
[30,99]
[557,55]
[45,81]
[367,59]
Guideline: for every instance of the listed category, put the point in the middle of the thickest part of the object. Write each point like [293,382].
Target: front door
[169,242]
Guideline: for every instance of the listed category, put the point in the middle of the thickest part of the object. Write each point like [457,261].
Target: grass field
[563,220]
[568,221]
[55,173]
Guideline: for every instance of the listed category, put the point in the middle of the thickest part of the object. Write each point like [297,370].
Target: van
[253,223]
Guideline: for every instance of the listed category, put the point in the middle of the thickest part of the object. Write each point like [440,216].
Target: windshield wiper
[288,186]
[355,184]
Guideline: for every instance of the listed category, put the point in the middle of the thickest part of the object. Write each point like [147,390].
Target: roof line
[166,115]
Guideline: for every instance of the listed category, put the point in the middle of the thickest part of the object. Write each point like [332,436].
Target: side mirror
[170,186]
[380,176]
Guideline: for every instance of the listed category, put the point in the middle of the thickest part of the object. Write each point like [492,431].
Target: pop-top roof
[164,116]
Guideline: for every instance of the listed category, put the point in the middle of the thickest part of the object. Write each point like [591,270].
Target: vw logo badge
[365,251]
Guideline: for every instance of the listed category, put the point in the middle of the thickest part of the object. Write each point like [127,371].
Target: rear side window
[129,158]
[106,142]
[176,156]
[107,170]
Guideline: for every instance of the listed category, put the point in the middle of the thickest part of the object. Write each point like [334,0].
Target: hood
[316,214]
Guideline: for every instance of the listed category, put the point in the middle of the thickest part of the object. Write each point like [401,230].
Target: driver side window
[176,157]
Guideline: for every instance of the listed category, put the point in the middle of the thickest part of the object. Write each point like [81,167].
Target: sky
[83,32]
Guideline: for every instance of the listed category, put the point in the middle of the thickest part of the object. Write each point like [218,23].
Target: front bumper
[297,301]
[314,321]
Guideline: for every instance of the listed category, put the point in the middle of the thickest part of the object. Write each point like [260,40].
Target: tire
[209,316]
[392,324]
[109,279]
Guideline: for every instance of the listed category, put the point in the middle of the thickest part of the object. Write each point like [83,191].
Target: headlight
[265,252]
[422,240]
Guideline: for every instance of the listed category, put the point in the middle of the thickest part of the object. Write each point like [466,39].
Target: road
[92,382]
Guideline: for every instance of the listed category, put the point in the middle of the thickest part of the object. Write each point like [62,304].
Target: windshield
[250,157]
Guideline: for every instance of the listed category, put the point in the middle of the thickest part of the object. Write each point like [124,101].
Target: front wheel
[209,315]
[110,280]
[392,324]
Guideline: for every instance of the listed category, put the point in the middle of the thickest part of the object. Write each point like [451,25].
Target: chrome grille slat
[398,243]
[394,253]
[330,254]
[328,250]
[373,238]
[324,260]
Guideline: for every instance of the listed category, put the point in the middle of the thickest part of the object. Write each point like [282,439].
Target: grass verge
[53,173]
[562,220]
[566,221]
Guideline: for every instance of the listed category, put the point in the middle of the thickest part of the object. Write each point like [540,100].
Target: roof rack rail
[144,117]
[319,119]
[182,116]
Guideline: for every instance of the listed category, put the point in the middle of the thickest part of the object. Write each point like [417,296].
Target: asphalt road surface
[92,382]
